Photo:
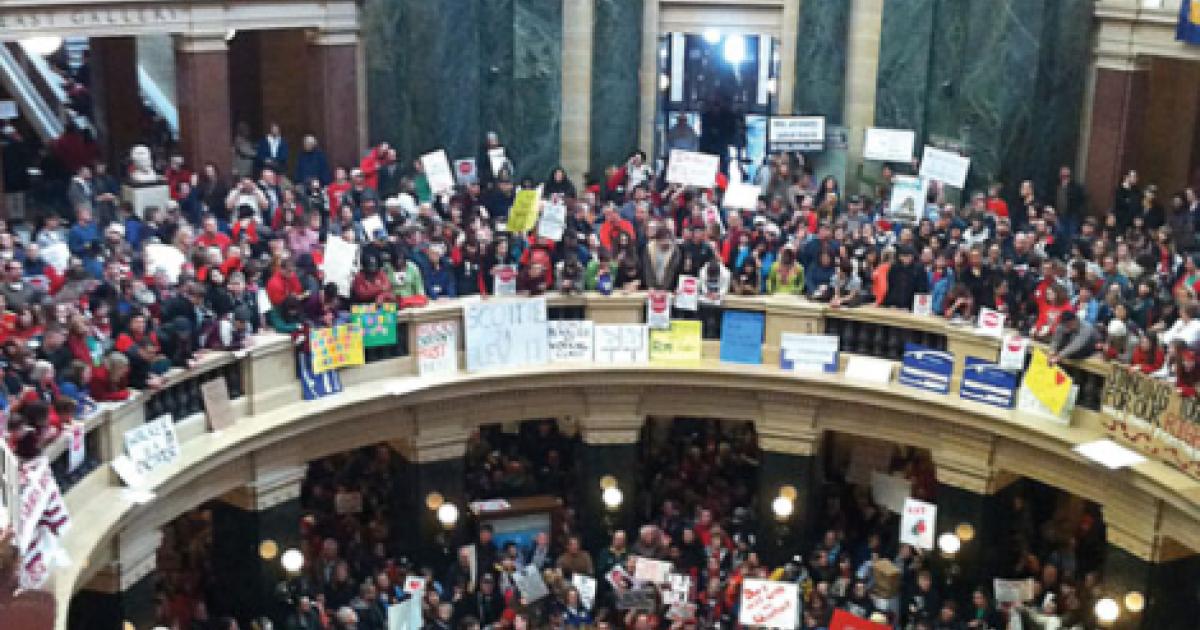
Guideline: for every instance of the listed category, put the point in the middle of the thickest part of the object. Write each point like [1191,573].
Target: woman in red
[110,380]
[283,282]
[1148,354]
[371,284]
[136,332]
[1051,305]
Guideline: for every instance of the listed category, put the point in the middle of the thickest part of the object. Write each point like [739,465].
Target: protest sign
[152,444]
[990,323]
[216,404]
[658,310]
[1013,351]
[340,263]
[506,333]
[795,133]
[682,611]
[1048,383]
[76,446]
[406,615]
[808,353]
[465,172]
[985,382]
[681,344]
[58,256]
[618,578]
[571,341]
[652,571]
[498,160]
[742,196]
[378,323]
[637,599]
[1151,416]
[917,523]
[437,171]
[165,258]
[926,368]
[336,347]
[922,305]
[373,224]
[414,585]
[908,197]
[944,166]
[530,583]
[348,503]
[313,385]
[869,369]
[10,488]
[553,221]
[693,169]
[687,294]
[889,145]
[845,620]
[524,213]
[504,280]
[622,343]
[742,336]
[43,517]
[769,604]
[587,589]
[1013,591]
[889,491]
[437,348]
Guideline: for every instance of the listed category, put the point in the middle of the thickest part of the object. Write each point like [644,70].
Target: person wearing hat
[1073,338]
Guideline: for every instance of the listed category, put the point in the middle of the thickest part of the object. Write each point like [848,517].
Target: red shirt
[209,240]
[282,285]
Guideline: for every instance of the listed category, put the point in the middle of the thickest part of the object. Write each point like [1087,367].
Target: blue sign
[1188,29]
[742,336]
[926,368]
[984,381]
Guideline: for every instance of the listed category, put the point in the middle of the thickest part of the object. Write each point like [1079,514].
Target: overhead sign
[945,166]
[769,604]
[889,145]
[926,368]
[796,133]
[506,333]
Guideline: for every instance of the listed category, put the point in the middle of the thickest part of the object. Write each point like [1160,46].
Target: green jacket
[413,283]
[793,286]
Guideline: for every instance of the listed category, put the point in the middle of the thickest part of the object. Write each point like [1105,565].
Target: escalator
[32,103]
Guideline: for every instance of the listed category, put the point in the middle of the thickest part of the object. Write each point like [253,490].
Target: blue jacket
[80,236]
[313,165]
[940,289]
[441,282]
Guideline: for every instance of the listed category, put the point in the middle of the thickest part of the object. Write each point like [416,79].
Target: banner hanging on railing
[378,323]
[1151,416]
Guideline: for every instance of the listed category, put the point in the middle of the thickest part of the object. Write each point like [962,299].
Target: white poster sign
[587,589]
[373,224]
[652,571]
[622,343]
[530,583]
[465,172]
[658,310]
[414,585]
[889,491]
[553,221]
[990,323]
[406,615]
[504,280]
[506,333]
[152,445]
[76,450]
[869,369]
[917,523]
[571,341]
[945,166]
[768,604]
[923,305]
[340,263]
[808,353]
[437,171]
[741,195]
[908,197]
[889,145]
[437,348]
[1013,591]
[796,133]
[693,169]
[1013,351]
[58,256]
[497,159]
[687,294]
[166,258]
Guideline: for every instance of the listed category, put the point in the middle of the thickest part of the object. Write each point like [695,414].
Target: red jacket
[104,389]
[282,285]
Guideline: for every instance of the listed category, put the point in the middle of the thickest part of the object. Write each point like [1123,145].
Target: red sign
[843,620]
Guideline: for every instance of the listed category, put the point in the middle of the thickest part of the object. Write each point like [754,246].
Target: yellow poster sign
[681,344]
[524,213]
[336,347]
[1048,383]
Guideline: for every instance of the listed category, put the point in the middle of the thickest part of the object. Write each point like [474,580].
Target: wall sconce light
[447,515]
[608,481]
[1107,610]
[949,543]
[1135,601]
[434,501]
[268,549]
[965,532]
[292,560]
[613,498]
[783,507]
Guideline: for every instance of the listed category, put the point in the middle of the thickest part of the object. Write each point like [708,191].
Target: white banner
[437,348]
[917,523]
[553,221]
[76,450]
[1013,591]
[693,169]
[437,171]
[945,166]
[340,263]
[506,333]
[889,145]
[571,341]
[869,369]
[622,343]
[990,323]
[768,604]
[152,445]
[741,195]
[652,571]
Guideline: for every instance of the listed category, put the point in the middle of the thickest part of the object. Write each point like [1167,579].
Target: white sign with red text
[768,604]
[658,310]
[917,523]
[1013,351]
[414,585]
[437,348]
[991,323]
[76,450]
[687,295]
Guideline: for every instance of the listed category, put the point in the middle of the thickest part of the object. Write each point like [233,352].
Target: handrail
[270,389]
[158,101]
[43,118]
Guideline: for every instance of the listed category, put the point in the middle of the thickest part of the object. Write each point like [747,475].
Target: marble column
[117,98]
[903,70]
[1118,111]
[333,95]
[821,59]
[123,591]
[615,88]
[577,49]
[862,67]
[202,85]
[536,140]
